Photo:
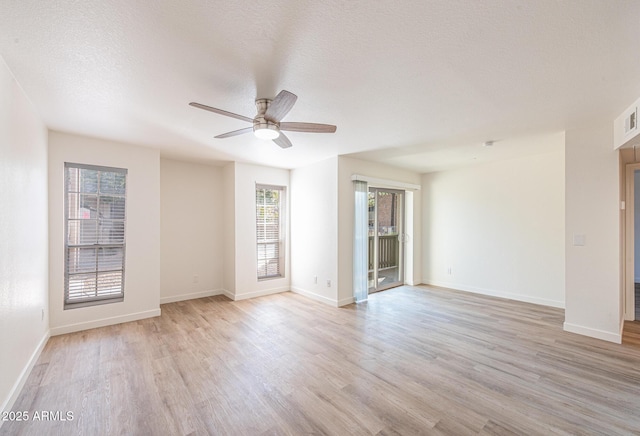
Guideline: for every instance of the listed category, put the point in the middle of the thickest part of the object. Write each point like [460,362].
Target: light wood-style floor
[412,360]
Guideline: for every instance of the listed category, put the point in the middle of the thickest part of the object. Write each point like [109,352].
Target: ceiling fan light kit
[266,124]
[263,129]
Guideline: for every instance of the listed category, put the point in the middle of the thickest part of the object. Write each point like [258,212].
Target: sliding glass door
[386,239]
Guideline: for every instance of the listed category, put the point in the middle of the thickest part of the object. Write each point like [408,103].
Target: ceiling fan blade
[221,112]
[235,133]
[280,106]
[308,127]
[283,141]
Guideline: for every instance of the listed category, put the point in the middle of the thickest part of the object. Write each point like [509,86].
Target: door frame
[629,243]
[401,239]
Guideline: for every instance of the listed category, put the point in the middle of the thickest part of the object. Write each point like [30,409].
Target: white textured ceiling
[416,83]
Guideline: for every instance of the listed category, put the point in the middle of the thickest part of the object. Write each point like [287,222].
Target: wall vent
[631,121]
[625,127]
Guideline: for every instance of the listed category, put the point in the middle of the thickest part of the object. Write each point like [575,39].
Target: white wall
[314,230]
[498,227]
[229,225]
[23,237]
[191,230]
[142,274]
[246,278]
[346,168]
[593,291]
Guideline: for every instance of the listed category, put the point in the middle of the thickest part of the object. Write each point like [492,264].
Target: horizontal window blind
[270,231]
[95,216]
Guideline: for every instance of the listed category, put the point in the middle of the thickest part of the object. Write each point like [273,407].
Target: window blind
[270,231]
[95,215]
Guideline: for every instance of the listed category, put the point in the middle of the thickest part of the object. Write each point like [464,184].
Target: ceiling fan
[268,124]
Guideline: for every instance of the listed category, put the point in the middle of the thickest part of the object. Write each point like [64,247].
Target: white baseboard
[492,293]
[593,333]
[346,301]
[314,296]
[629,316]
[238,297]
[322,298]
[70,328]
[192,296]
[24,375]
[415,280]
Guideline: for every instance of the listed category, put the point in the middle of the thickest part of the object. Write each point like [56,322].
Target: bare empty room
[328,217]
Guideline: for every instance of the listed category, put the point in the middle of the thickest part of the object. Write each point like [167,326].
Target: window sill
[93,303]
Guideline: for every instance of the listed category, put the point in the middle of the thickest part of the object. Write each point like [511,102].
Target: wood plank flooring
[412,360]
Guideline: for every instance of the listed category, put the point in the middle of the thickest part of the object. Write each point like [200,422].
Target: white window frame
[73,298]
[264,262]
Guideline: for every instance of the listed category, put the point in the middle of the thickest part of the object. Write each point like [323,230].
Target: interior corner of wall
[8,403]
[229,294]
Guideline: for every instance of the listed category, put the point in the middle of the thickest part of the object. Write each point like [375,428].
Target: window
[94,235]
[270,231]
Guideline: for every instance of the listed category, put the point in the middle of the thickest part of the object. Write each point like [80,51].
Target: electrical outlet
[42,319]
[196,279]
[328,283]
[315,280]
[449,270]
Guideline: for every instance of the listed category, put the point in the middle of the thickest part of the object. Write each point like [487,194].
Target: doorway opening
[632,243]
[636,242]
[637,302]
[386,238]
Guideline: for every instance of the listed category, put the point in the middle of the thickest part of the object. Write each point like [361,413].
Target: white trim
[346,301]
[238,297]
[628,244]
[24,375]
[594,333]
[384,183]
[192,296]
[70,328]
[230,295]
[493,293]
[623,138]
[314,296]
